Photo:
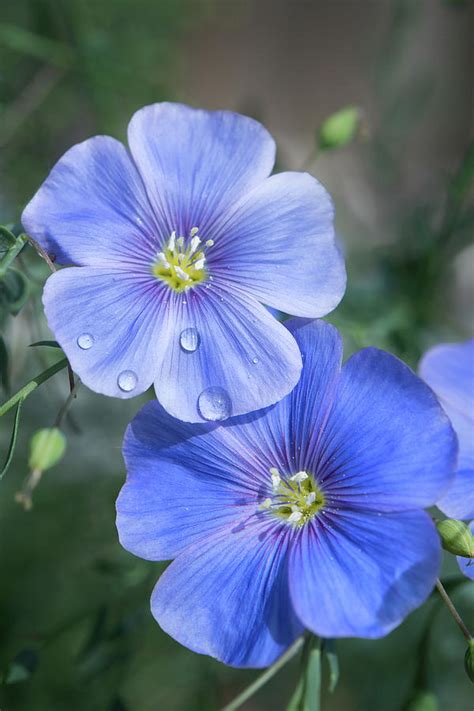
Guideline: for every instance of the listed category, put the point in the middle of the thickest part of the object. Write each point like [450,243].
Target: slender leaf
[11,448]
[4,380]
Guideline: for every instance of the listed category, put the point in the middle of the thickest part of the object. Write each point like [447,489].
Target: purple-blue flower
[449,371]
[174,246]
[305,515]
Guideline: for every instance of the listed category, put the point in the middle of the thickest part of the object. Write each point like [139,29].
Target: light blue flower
[305,515]
[449,370]
[174,246]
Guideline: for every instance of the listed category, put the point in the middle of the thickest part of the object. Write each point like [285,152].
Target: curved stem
[266,676]
[32,385]
[450,605]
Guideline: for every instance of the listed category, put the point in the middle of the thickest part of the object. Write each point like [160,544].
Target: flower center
[296,499]
[182,262]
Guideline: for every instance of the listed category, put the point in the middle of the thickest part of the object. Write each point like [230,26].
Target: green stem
[450,605]
[11,254]
[32,385]
[266,676]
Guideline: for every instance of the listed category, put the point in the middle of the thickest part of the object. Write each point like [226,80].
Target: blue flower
[305,515]
[174,248]
[449,370]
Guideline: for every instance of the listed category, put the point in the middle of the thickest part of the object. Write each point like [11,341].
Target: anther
[299,477]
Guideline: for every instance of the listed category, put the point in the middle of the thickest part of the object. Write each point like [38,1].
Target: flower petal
[387,444]
[196,163]
[242,358]
[183,482]
[227,596]
[92,209]
[110,324]
[279,246]
[360,574]
[449,370]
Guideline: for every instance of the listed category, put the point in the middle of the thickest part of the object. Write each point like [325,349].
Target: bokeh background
[75,625]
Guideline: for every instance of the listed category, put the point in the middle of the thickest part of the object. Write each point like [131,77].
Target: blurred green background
[74,607]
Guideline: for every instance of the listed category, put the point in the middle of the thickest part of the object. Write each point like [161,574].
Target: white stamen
[194,231]
[200,263]
[266,504]
[299,477]
[311,498]
[295,517]
[182,274]
[172,241]
[180,241]
[210,243]
[163,260]
[276,478]
[195,242]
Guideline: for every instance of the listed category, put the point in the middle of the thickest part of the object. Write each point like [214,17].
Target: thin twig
[27,389]
[450,605]
[266,676]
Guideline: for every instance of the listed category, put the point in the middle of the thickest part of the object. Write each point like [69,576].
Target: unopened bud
[456,537]
[340,128]
[47,448]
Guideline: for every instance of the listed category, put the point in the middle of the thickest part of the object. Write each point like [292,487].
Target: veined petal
[360,574]
[92,209]
[184,481]
[110,324]
[279,246]
[195,163]
[241,359]
[458,501]
[227,596]
[387,444]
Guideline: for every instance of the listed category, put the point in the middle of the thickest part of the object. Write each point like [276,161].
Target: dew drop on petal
[214,404]
[85,341]
[255,360]
[189,340]
[127,381]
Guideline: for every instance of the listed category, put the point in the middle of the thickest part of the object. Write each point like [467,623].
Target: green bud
[423,701]
[340,128]
[469,661]
[456,537]
[47,448]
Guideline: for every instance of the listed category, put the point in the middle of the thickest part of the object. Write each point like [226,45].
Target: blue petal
[92,209]
[386,445]
[279,246]
[449,370]
[240,354]
[356,574]
[196,164]
[183,482]
[466,565]
[111,325]
[227,596]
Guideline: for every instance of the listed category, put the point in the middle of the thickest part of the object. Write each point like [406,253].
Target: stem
[32,385]
[457,617]
[11,254]
[266,676]
[66,405]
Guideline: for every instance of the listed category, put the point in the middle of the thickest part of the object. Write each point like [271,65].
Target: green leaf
[7,240]
[14,291]
[456,537]
[51,344]
[4,380]
[340,128]
[11,447]
[329,649]
[22,667]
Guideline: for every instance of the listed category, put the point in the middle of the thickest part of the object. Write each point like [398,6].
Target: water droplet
[85,341]
[255,360]
[127,381]
[189,340]
[214,404]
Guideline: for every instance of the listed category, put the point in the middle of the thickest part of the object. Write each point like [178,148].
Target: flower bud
[47,448]
[456,537]
[469,661]
[340,128]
